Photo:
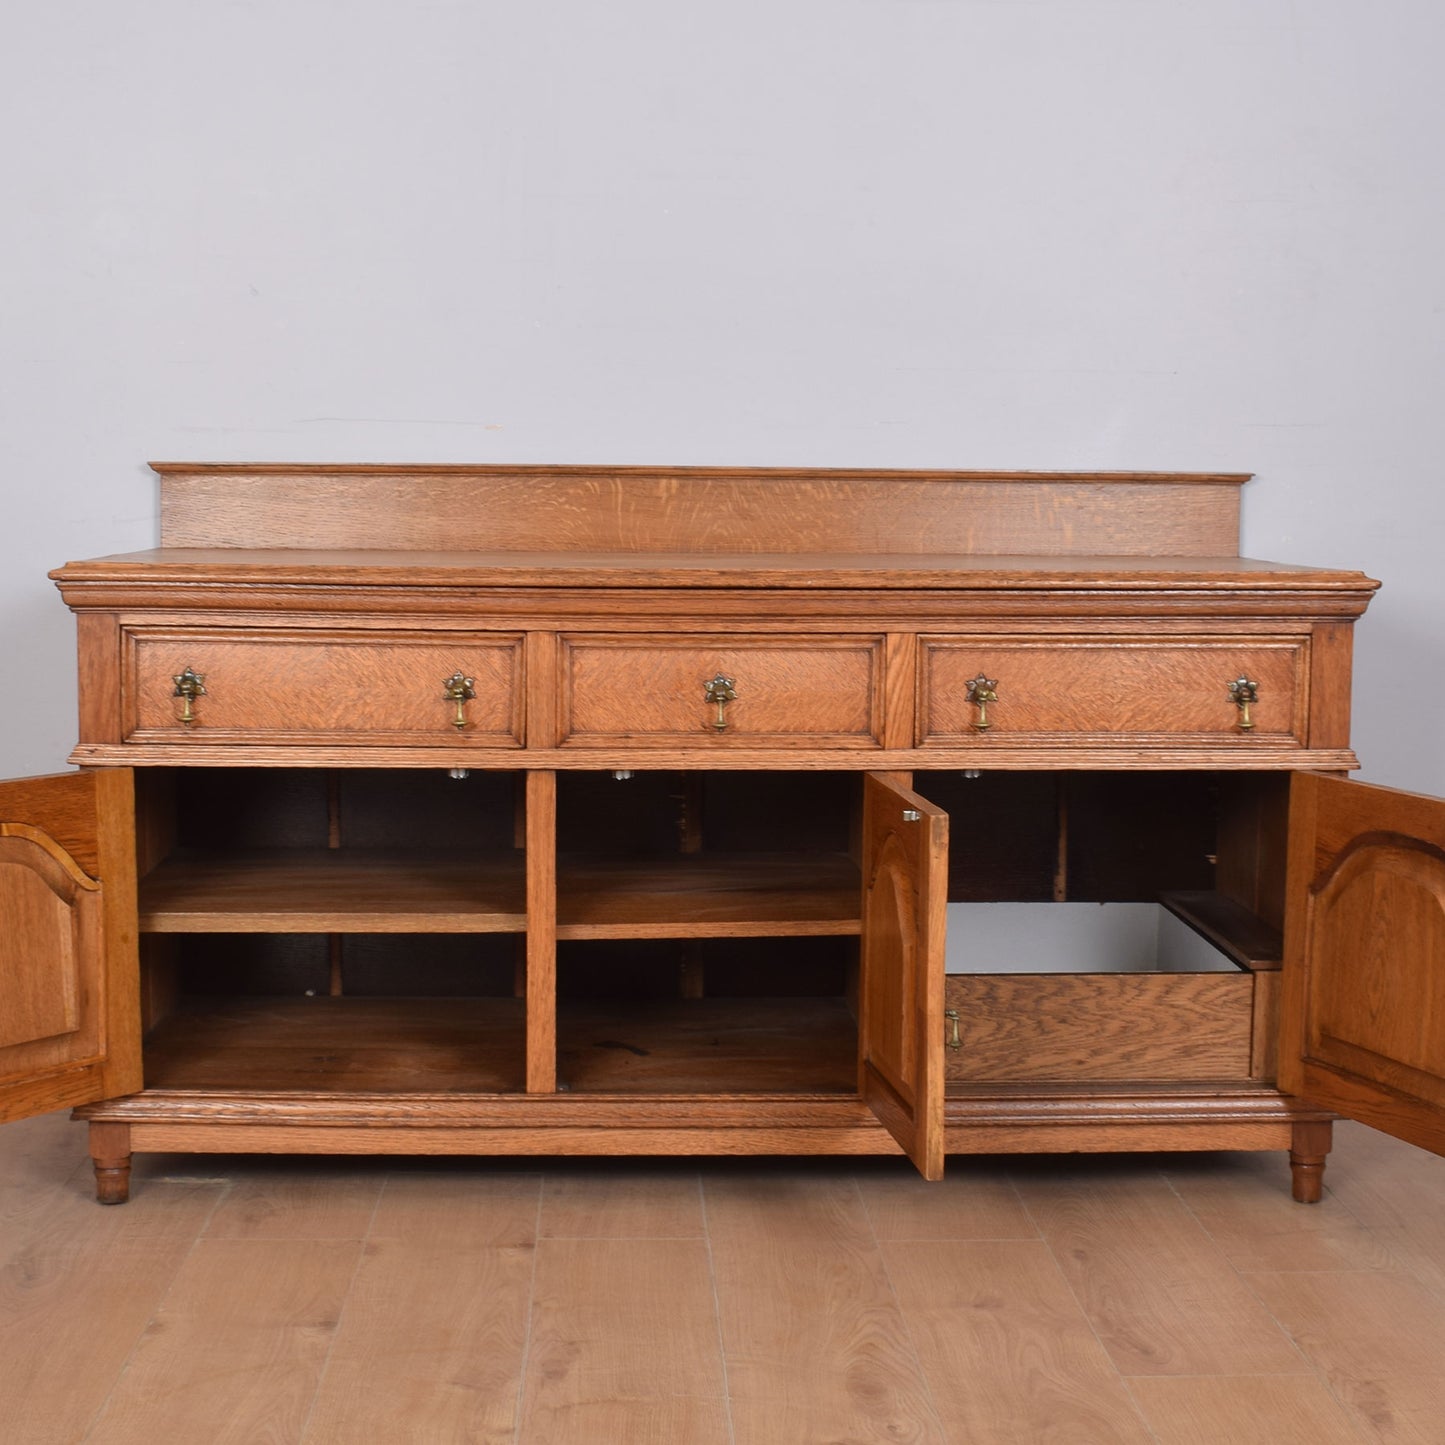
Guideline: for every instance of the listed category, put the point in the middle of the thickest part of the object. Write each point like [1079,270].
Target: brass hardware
[190,685]
[720,691]
[460,690]
[952,1041]
[911,815]
[1244,692]
[981,692]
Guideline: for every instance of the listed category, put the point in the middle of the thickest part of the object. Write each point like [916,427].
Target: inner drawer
[1099,993]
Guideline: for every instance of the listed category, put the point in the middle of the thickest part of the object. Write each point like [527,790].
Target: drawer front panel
[787,691]
[1096,688]
[291,686]
[1046,1028]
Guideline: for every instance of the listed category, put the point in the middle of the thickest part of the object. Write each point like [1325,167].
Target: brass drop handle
[952,1041]
[190,685]
[1244,693]
[982,691]
[721,691]
[460,690]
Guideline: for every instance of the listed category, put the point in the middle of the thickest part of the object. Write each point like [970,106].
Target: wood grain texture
[235,1352]
[69,992]
[51,911]
[1009,1355]
[1358,1326]
[1235,930]
[621,1201]
[623,1345]
[425,1338]
[292,685]
[709,509]
[707,1046]
[900,1024]
[765,895]
[549,574]
[355,1045]
[540,984]
[1363,1007]
[789,692]
[1093,753]
[816,1345]
[1285,1410]
[78,1286]
[342,890]
[1143,687]
[1157,1289]
[1042,1027]
[976,1199]
[434,1333]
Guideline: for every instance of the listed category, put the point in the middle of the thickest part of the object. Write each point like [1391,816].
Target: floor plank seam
[1084,1314]
[341,1313]
[727,1394]
[160,1305]
[934,1413]
[519,1404]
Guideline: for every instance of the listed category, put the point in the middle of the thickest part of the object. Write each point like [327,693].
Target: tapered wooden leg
[110,1152]
[1309,1146]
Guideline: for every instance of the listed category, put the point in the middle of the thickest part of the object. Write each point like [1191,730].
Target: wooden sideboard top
[891,571]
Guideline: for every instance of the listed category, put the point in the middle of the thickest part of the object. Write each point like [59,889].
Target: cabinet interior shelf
[343,1045]
[399,891]
[336,890]
[709,1045]
[731,895]
[476,1046]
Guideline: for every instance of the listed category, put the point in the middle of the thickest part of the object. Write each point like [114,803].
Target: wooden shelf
[708,1046]
[336,891]
[346,1045]
[754,895]
[1230,927]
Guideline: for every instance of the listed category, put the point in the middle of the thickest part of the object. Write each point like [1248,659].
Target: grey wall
[1012,233]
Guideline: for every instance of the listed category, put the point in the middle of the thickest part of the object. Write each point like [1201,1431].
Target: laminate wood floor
[1177,1300]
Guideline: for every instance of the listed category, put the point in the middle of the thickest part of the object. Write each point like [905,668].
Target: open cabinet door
[69,995]
[900,995]
[1363,1021]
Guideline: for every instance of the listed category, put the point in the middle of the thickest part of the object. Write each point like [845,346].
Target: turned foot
[110,1152]
[1310,1146]
[112,1182]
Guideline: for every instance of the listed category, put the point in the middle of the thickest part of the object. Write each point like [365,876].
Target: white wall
[957,233]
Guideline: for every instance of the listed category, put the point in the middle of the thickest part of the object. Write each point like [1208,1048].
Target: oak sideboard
[554,809]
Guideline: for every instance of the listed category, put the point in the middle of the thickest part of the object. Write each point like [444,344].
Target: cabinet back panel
[1003,833]
[729,968]
[697,509]
[724,812]
[228,809]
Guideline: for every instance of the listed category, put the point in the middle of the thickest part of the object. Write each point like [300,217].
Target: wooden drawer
[789,691]
[321,687]
[1101,688]
[1045,1028]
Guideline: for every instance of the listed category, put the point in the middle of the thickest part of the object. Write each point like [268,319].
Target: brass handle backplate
[952,1040]
[982,691]
[1244,693]
[460,690]
[190,685]
[720,691]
